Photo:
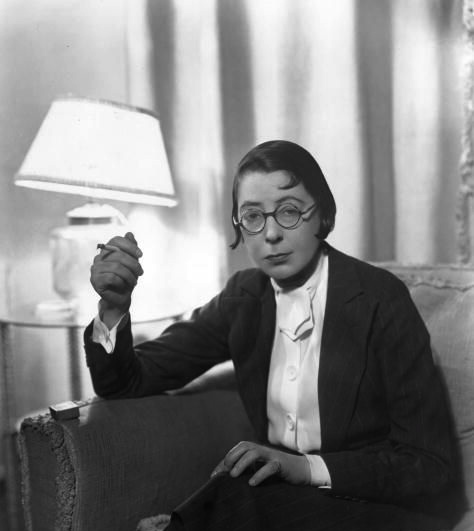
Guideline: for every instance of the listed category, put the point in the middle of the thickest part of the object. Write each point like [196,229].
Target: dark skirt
[230,504]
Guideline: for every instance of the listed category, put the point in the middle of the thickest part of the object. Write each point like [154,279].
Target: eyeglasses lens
[286,216]
[253,220]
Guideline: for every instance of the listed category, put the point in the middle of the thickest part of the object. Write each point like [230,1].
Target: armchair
[123,460]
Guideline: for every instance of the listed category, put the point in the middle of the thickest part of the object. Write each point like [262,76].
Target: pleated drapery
[371,87]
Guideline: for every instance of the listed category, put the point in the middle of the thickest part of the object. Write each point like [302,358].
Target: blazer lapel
[261,358]
[252,358]
[342,359]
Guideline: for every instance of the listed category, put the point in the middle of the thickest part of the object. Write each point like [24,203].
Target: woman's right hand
[115,272]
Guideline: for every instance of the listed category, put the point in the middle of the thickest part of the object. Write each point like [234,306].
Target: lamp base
[74,246]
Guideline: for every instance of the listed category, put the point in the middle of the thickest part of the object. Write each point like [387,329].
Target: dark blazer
[384,419]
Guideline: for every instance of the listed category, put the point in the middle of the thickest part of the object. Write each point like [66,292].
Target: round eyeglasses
[287,216]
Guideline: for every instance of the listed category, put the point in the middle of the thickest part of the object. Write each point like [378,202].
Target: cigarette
[106,247]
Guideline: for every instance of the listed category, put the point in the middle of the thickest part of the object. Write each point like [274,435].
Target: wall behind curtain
[371,87]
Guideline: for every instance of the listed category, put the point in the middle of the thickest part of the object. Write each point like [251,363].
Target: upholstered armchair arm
[123,460]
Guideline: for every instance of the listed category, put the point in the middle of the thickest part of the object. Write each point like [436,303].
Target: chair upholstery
[444,296]
[124,460]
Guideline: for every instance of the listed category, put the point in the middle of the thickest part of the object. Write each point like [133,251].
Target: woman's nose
[272,231]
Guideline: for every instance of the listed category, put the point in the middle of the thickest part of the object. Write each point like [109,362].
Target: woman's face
[280,253]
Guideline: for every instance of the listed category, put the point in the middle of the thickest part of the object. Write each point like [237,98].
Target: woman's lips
[277,258]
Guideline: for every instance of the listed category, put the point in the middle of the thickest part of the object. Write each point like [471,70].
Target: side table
[27,317]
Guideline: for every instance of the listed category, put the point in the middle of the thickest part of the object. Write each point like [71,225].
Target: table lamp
[101,150]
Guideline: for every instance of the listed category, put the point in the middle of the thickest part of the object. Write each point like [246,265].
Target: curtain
[371,87]
[174,70]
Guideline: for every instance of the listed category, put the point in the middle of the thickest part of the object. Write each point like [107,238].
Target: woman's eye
[252,215]
[289,211]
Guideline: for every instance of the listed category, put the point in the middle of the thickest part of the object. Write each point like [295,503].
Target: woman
[332,360]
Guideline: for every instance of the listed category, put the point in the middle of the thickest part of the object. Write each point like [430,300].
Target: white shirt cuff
[319,471]
[102,335]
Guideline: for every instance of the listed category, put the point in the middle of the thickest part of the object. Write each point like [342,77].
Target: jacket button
[290,421]
[292,373]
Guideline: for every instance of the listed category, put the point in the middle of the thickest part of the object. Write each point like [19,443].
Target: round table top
[56,314]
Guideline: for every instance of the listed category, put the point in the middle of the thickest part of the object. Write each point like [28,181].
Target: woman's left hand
[294,469]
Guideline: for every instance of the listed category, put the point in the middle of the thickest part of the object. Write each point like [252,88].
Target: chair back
[444,296]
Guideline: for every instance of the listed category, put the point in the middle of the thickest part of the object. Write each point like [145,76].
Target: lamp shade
[99,149]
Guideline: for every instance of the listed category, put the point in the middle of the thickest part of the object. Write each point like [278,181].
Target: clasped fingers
[127,244]
[109,257]
[115,270]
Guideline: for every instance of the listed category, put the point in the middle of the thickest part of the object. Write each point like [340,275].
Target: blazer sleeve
[414,458]
[182,352]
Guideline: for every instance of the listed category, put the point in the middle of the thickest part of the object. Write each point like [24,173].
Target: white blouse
[292,394]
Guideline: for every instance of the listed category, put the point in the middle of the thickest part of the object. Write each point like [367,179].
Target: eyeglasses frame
[273,215]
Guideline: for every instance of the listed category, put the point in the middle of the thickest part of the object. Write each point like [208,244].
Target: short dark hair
[282,155]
